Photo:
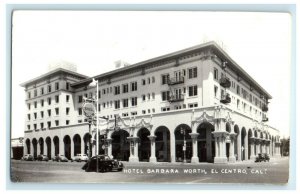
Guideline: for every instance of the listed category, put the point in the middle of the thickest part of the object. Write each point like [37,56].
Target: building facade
[194,105]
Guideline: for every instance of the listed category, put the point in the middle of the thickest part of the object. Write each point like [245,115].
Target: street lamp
[184,144]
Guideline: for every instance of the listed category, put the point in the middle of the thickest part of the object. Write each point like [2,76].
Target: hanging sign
[88,109]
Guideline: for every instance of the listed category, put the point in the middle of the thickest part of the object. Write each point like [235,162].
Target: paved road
[275,171]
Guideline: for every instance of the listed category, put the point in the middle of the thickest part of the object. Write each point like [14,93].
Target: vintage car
[105,164]
[42,158]
[60,158]
[80,157]
[262,157]
[27,157]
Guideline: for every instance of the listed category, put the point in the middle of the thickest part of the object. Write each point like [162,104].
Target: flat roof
[217,50]
[55,71]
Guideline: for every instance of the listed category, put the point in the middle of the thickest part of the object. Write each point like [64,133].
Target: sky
[93,40]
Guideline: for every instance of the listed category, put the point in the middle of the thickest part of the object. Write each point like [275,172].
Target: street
[273,172]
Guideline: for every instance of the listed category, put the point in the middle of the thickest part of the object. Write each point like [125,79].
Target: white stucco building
[196,105]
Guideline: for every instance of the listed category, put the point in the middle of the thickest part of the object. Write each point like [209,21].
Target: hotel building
[194,105]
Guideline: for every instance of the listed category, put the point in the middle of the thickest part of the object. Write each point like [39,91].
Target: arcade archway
[182,137]
[144,144]
[162,144]
[120,145]
[206,145]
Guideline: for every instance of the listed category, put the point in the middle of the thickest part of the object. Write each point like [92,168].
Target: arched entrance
[28,146]
[206,145]
[34,144]
[101,144]
[87,138]
[120,145]
[144,144]
[56,145]
[228,141]
[250,142]
[77,144]
[244,143]
[255,147]
[48,144]
[41,144]
[237,143]
[67,146]
[162,144]
[182,137]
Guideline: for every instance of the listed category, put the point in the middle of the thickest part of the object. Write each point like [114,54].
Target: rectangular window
[49,124]
[125,88]
[42,114]
[164,79]
[125,114]
[34,126]
[216,91]
[133,113]
[99,107]
[67,98]
[28,117]
[143,97]
[103,91]
[80,99]
[42,125]
[163,109]
[250,98]
[193,90]
[28,127]
[35,115]
[28,106]
[149,80]
[49,88]
[153,79]
[117,90]
[56,123]
[42,102]
[42,90]
[143,112]
[49,112]
[149,96]
[238,89]
[28,95]
[49,100]
[79,121]
[35,93]
[103,104]
[67,122]
[56,99]
[153,95]
[56,86]
[143,82]
[134,101]
[67,111]
[117,104]
[238,104]
[192,72]
[193,105]
[79,111]
[67,85]
[133,86]
[35,104]
[165,95]
[56,111]
[99,94]
[216,76]
[125,102]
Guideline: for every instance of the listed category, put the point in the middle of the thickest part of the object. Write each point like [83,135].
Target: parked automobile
[105,164]
[80,157]
[60,158]
[28,157]
[262,157]
[42,158]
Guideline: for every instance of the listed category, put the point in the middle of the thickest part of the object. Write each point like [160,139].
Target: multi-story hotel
[194,105]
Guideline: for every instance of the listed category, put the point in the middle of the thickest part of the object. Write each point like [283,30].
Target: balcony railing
[225,82]
[265,108]
[176,80]
[265,119]
[225,99]
[176,98]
